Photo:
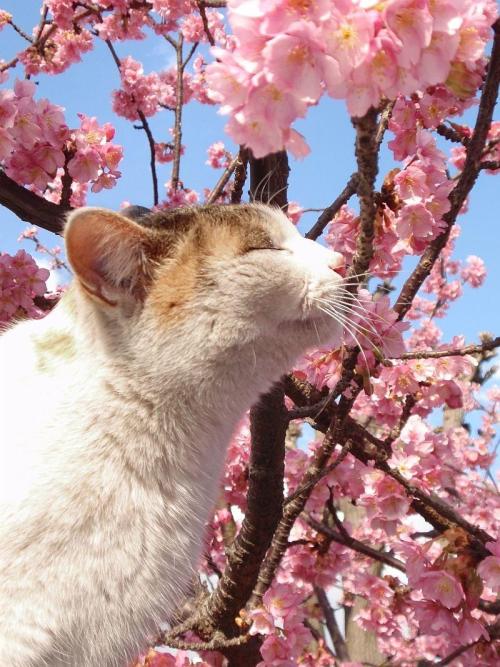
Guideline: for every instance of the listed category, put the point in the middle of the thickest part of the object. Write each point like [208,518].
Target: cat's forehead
[252,223]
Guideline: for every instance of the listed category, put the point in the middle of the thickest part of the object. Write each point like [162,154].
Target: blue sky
[314,182]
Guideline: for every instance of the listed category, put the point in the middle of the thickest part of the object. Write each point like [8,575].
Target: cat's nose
[337,264]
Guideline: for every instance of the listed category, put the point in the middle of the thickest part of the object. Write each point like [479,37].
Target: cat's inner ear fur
[112,256]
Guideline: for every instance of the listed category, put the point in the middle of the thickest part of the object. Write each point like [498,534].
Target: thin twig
[218,643]
[452,135]
[457,352]
[66,182]
[152,155]
[41,39]
[240,175]
[144,126]
[20,31]
[320,474]
[339,643]
[223,180]
[179,100]
[490,164]
[356,545]
[202,9]
[331,211]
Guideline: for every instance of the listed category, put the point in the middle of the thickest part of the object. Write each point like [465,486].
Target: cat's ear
[109,253]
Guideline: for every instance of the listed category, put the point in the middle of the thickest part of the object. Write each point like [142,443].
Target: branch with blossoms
[381,483]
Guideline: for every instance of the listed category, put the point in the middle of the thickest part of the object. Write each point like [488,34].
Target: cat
[117,408]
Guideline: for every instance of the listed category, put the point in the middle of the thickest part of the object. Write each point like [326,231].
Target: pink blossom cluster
[141,92]
[444,285]
[280,620]
[146,94]
[61,50]
[179,196]
[218,156]
[410,215]
[193,29]
[491,154]
[21,280]
[285,55]
[37,148]
[427,110]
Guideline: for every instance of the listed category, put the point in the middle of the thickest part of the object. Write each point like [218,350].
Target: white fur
[110,458]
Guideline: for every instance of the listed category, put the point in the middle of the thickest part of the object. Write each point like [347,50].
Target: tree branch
[356,545]
[145,126]
[179,100]
[295,506]
[457,352]
[331,211]
[223,180]
[366,447]
[240,175]
[202,9]
[367,147]
[458,195]
[30,207]
[338,641]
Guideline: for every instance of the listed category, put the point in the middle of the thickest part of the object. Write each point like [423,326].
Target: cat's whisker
[349,298]
[342,323]
[263,183]
[366,316]
[359,309]
[348,311]
[278,192]
[349,323]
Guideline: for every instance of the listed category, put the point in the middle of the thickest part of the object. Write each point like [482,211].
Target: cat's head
[229,273]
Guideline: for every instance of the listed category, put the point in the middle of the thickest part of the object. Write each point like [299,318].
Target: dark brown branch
[30,207]
[494,633]
[492,608]
[202,9]
[466,181]
[457,352]
[367,147]
[269,179]
[295,507]
[179,101]
[264,499]
[451,657]
[152,155]
[452,135]
[328,213]
[223,180]
[218,643]
[490,164]
[66,182]
[338,641]
[240,175]
[356,545]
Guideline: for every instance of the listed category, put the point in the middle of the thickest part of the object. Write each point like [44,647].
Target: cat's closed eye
[265,248]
